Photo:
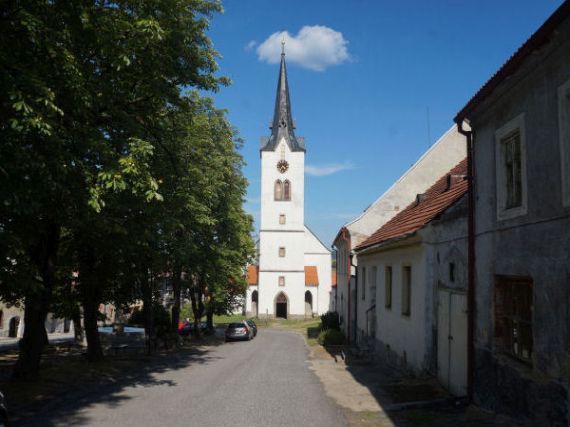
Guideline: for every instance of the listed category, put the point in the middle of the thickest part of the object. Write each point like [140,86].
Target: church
[293,275]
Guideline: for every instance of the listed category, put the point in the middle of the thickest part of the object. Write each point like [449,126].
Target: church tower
[281,232]
[294,266]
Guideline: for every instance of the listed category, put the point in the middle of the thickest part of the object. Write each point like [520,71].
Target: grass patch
[225,319]
[308,327]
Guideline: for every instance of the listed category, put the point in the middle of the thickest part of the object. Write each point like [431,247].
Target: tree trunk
[89,289]
[197,308]
[147,310]
[90,317]
[33,341]
[44,256]
[77,327]
[43,332]
[176,290]
[210,318]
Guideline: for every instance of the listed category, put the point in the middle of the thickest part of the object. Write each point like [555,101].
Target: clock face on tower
[282,166]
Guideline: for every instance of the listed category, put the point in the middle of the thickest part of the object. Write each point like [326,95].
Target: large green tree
[83,84]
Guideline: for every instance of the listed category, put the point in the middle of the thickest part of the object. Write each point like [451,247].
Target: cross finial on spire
[282,125]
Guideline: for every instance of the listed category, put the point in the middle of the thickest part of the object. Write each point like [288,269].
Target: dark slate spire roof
[282,125]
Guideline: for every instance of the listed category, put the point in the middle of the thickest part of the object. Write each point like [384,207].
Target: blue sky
[362,77]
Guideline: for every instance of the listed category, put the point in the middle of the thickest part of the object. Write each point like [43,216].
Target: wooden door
[452,341]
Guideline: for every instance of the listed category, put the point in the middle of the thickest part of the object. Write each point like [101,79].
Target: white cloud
[314,47]
[327,169]
[250,45]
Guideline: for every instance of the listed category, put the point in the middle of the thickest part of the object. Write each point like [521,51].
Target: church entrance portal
[281,306]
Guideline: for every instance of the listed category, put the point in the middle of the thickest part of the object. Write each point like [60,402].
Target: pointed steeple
[282,124]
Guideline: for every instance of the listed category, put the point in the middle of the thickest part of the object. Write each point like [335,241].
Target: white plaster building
[440,158]
[293,278]
[12,322]
[412,276]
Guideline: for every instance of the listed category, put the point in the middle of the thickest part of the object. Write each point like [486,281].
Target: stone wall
[518,391]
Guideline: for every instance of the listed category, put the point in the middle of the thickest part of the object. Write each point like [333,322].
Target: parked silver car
[239,331]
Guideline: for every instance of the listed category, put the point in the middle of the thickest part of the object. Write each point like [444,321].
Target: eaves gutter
[387,243]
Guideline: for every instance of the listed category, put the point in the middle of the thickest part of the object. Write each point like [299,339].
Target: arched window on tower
[278,191]
[286,190]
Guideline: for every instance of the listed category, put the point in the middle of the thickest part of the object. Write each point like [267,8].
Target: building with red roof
[446,152]
[409,265]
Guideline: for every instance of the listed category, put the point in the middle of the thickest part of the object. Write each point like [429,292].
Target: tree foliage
[114,172]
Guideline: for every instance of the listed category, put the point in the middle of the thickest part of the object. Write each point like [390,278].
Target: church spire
[282,125]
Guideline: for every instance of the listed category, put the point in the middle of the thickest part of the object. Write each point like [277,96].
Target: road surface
[265,382]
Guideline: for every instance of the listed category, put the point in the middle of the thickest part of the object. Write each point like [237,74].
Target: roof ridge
[404,175]
[539,37]
[416,215]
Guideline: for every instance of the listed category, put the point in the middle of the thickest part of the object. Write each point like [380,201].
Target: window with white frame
[406,290]
[282,252]
[281,219]
[281,280]
[564,128]
[511,169]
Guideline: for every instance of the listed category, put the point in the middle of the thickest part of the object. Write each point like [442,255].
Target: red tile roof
[539,38]
[311,276]
[252,273]
[433,202]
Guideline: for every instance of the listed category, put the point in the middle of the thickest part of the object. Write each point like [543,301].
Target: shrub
[330,320]
[161,319]
[330,337]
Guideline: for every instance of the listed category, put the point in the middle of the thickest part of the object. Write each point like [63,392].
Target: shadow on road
[98,383]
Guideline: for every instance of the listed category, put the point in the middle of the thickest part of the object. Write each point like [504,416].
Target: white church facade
[293,275]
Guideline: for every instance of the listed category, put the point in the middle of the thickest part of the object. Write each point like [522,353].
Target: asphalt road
[264,382]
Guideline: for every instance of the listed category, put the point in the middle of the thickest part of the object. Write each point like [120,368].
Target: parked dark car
[253,326]
[4,422]
[239,331]
[204,326]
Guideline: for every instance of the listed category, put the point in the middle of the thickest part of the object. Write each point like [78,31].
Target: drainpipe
[348,274]
[334,248]
[471,307]
[355,298]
